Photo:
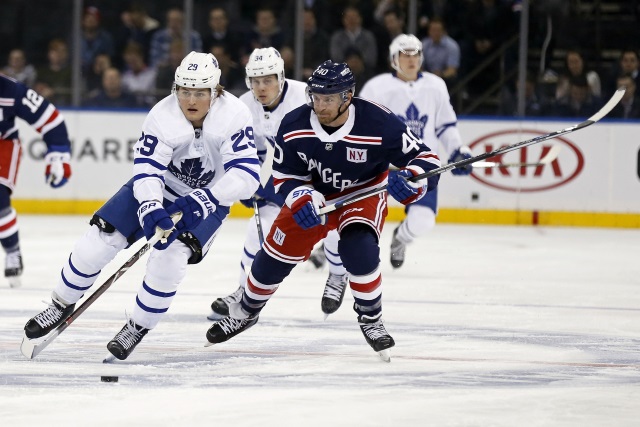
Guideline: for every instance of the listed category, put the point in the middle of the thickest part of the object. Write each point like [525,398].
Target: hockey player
[17,100]
[332,149]
[421,101]
[269,98]
[196,155]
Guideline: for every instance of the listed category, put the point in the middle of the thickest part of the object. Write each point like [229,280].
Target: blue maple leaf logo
[190,171]
[414,121]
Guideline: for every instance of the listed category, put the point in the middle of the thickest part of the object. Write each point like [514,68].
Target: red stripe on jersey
[8,225]
[363,139]
[52,117]
[427,156]
[259,291]
[367,287]
[298,134]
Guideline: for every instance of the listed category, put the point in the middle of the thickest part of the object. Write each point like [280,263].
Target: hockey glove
[304,202]
[57,170]
[462,153]
[195,207]
[152,216]
[405,191]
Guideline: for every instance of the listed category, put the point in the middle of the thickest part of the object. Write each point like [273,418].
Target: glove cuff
[146,208]
[206,200]
[53,156]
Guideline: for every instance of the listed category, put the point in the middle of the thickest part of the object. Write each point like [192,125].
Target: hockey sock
[419,221]
[266,275]
[9,237]
[331,251]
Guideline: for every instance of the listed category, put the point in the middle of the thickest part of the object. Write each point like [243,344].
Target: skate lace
[13,260]
[374,330]
[234,297]
[49,316]
[229,324]
[128,336]
[335,286]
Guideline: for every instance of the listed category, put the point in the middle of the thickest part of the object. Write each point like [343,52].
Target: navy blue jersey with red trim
[353,159]
[17,100]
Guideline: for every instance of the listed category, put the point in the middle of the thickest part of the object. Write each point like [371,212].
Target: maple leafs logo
[190,171]
[414,121]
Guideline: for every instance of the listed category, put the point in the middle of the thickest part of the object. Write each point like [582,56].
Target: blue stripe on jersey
[77,288]
[246,252]
[149,309]
[235,162]
[151,162]
[443,128]
[147,175]
[77,272]
[157,293]
[171,191]
[249,171]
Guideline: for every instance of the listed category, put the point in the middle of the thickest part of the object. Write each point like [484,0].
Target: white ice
[494,326]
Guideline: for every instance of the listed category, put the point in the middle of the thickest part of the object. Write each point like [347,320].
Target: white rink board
[595,171]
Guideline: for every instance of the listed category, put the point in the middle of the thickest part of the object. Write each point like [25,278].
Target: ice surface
[494,326]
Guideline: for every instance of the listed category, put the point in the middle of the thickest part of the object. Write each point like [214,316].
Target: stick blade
[617,96]
[551,155]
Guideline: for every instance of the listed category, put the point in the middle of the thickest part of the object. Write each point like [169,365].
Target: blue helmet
[332,77]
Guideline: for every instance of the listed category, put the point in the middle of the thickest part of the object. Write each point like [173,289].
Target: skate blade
[109,359]
[208,344]
[14,282]
[326,315]
[385,355]
[27,347]
[215,316]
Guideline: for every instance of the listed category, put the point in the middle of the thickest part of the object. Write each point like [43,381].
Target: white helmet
[264,62]
[407,44]
[198,70]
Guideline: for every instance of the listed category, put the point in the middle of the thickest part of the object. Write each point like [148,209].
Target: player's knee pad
[420,220]
[96,248]
[359,249]
[269,270]
[167,268]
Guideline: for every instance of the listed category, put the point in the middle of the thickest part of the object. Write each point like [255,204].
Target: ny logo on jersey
[356,155]
[191,173]
[414,121]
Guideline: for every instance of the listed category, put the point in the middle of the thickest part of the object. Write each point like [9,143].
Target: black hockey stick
[591,120]
[256,214]
[31,348]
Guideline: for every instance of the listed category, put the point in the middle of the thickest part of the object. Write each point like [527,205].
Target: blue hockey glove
[462,153]
[195,207]
[405,191]
[304,202]
[152,216]
[57,168]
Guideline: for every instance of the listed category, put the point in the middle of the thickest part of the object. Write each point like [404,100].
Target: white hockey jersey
[266,123]
[171,158]
[423,105]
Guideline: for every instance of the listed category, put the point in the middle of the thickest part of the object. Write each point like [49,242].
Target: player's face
[410,64]
[266,89]
[327,108]
[194,103]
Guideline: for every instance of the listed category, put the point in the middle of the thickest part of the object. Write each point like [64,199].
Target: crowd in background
[130,50]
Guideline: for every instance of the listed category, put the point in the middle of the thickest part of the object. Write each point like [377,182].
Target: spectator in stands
[166,73]
[265,33]
[112,94]
[630,65]
[137,27]
[441,52]
[362,74]
[575,66]
[94,40]
[220,34]
[18,68]
[392,26]
[93,79]
[231,74]
[629,105]
[534,104]
[351,36]
[54,78]
[316,44]
[138,78]
[579,102]
[162,38]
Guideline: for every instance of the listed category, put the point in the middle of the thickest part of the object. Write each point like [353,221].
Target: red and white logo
[563,169]
[356,155]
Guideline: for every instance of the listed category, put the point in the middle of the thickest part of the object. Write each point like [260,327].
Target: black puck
[108,379]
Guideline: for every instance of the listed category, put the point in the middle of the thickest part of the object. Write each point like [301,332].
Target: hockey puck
[108,379]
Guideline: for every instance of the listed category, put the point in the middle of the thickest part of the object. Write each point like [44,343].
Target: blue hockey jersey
[353,159]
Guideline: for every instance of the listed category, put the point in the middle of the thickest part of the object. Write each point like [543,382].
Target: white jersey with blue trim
[265,122]
[423,105]
[171,158]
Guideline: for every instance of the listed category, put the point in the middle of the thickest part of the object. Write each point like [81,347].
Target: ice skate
[126,340]
[318,258]
[397,250]
[237,321]
[49,319]
[333,293]
[220,307]
[376,335]
[13,268]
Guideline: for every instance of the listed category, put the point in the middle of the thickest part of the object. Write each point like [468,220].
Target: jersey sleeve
[43,116]
[289,171]
[446,122]
[151,157]
[242,167]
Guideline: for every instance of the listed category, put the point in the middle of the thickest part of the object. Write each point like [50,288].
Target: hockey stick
[30,349]
[256,214]
[591,120]
[547,159]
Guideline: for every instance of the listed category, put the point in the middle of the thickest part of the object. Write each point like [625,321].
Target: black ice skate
[49,319]
[397,250]
[333,293]
[13,268]
[220,307]
[318,257]
[376,335]
[126,340]
[227,328]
